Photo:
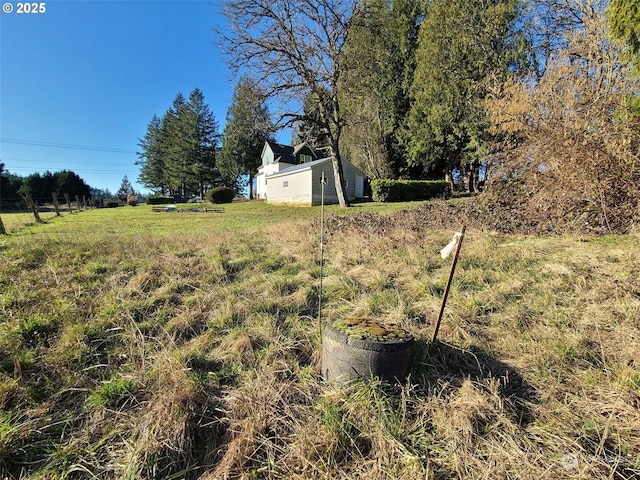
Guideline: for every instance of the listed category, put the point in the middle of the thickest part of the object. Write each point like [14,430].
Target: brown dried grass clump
[177,427]
[262,418]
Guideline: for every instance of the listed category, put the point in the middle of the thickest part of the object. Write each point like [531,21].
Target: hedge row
[160,200]
[408,190]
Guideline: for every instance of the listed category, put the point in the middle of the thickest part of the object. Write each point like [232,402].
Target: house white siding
[290,188]
[291,175]
[352,177]
[330,195]
[303,185]
[261,184]
[264,171]
[267,155]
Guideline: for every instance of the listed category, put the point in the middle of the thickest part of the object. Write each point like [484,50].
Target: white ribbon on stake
[454,244]
[446,251]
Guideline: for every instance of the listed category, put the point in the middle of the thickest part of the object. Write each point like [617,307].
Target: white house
[277,157]
[291,176]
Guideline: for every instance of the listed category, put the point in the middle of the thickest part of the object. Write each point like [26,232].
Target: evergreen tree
[40,187]
[248,126]
[176,146]
[9,184]
[125,189]
[69,182]
[100,193]
[151,158]
[32,185]
[178,151]
[380,55]
[624,21]
[203,142]
[463,46]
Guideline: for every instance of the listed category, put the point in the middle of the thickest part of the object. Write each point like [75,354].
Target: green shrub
[407,190]
[220,195]
[159,200]
[111,204]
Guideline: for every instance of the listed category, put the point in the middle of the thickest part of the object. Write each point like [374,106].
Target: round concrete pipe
[345,358]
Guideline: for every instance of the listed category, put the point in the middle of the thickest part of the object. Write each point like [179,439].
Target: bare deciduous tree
[576,163]
[294,49]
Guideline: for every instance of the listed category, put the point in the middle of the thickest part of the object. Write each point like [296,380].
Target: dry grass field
[141,345]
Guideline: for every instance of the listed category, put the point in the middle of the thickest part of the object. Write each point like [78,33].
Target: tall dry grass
[158,353]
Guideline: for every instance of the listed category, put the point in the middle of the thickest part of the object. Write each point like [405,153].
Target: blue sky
[80,82]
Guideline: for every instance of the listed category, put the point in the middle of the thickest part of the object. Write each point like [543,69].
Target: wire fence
[19,211]
[13,205]
[21,204]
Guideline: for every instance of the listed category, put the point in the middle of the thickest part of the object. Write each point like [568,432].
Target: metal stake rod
[446,290]
[323,182]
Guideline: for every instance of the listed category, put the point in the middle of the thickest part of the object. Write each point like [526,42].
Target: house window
[305,158]
[285,184]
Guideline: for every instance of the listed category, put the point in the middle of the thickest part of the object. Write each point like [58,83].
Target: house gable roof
[281,153]
[309,166]
[286,153]
[301,146]
[301,167]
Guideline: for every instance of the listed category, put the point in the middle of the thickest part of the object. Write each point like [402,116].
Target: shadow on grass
[452,366]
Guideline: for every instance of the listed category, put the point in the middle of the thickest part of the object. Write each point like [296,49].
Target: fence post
[55,203]
[3,231]
[33,208]
[78,204]
[66,197]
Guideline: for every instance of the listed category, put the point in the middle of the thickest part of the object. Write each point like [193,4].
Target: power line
[103,172]
[76,166]
[65,145]
[34,162]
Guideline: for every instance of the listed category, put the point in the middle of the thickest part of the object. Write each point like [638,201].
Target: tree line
[397,87]
[183,153]
[178,152]
[525,93]
[380,83]
[41,186]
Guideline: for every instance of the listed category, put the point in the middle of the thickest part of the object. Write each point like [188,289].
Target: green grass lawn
[136,344]
[237,217]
